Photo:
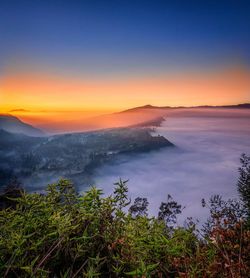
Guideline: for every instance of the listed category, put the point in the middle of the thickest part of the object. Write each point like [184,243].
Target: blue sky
[103,38]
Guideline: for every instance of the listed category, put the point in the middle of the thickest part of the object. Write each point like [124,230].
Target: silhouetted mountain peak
[12,124]
[147,106]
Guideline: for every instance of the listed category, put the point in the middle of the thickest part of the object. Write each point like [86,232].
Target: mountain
[36,161]
[144,107]
[150,107]
[242,106]
[147,114]
[13,124]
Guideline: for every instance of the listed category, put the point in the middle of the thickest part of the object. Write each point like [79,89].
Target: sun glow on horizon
[41,98]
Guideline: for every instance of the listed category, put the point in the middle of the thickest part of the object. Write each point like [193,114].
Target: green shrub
[64,234]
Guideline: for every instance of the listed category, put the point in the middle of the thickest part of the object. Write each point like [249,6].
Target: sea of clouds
[204,162]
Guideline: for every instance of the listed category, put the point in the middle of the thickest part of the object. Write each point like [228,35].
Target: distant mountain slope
[152,115]
[38,160]
[242,105]
[147,115]
[11,142]
[150,107]
[144,107]
[13,124]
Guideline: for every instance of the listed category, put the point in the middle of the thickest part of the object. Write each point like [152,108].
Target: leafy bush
[64,234]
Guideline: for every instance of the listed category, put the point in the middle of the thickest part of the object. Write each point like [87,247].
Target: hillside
[13,124]
[139,116]
[39,160]
[149,107]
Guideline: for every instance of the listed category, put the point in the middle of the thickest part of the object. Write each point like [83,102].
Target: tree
[244,183]
[223,213]
[168,211]
[140,207]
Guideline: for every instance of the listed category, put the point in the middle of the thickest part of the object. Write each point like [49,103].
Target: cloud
[19,110]
[205,162]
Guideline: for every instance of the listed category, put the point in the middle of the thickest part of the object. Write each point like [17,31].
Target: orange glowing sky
[73,60]
[41,98]
[36,92]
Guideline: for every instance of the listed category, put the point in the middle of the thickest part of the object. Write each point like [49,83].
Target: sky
[94,57]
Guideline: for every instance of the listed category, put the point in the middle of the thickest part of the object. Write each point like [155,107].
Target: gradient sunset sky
[93,57]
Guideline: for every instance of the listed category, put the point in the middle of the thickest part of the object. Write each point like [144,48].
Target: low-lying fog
[204,162]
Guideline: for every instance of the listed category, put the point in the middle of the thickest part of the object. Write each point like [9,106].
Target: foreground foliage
[65,234]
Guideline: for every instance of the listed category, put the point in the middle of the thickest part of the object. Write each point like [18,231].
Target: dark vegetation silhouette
[66,234]
[140,207]
[12,191]
[244,183]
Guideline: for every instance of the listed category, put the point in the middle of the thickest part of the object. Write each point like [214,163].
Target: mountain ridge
[145,115]
[149,106]
[13,124]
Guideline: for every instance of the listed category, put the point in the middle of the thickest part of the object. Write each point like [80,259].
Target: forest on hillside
[36,161]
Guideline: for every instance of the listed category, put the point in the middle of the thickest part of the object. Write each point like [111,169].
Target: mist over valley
[204,162]
[190,153]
